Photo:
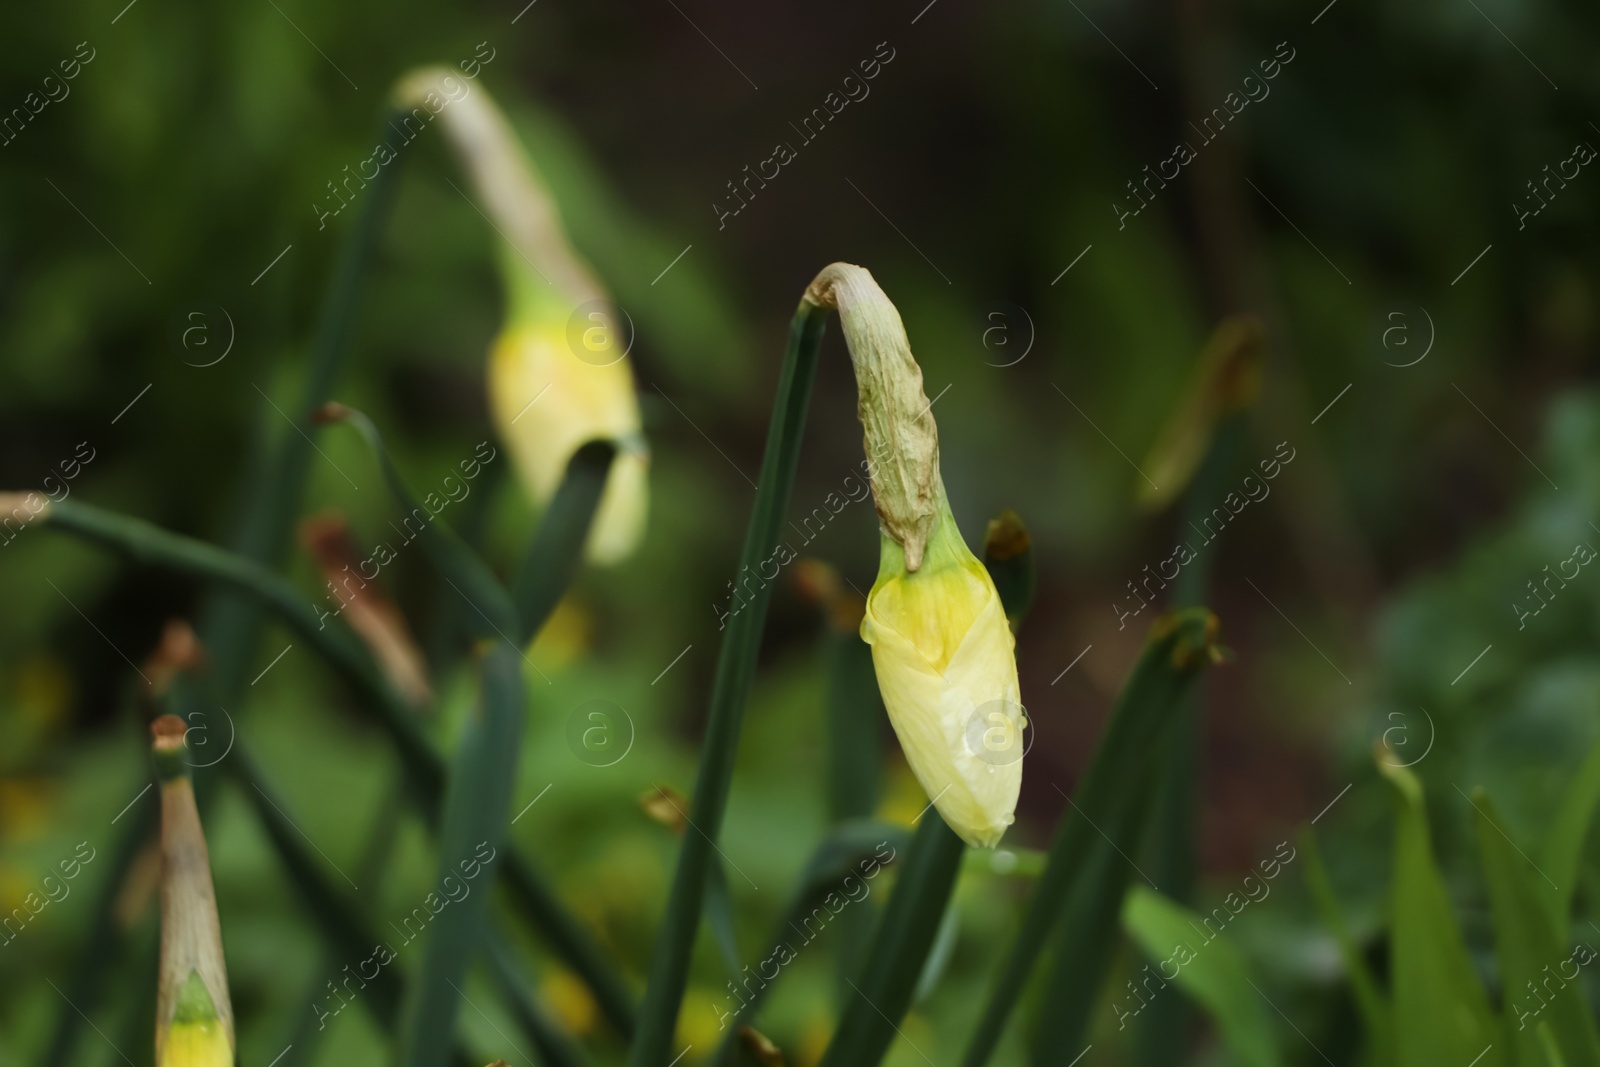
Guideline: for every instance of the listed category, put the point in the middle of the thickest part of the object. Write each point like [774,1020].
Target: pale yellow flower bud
[947,669]
[941,646]
[559,375]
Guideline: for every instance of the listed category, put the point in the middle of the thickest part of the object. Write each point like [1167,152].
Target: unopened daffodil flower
[941,647]
[558,375]
[194,1018]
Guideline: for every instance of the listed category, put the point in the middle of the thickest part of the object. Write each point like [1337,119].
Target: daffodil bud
[941,646]
[558,372]
[194,1018]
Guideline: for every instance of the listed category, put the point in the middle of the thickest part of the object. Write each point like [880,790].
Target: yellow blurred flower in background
[569,1000]
[558,374]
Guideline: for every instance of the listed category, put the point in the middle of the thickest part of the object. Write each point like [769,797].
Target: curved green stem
[900,947]
[1170,840]
[425,769]
[342,926]
[150,544]
[476,812]
[456,562]
[853,849]
[669,969]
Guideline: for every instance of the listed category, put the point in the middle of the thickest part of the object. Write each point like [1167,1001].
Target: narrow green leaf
[1547,1044]
[230,623]
[939,954]
[151,545]
[425,769]
[104,941]
[447,629]
[855,717]
[1377,1014]
[669,969]
[1169,844]
[855,723]
[570,941]
[900,946]
[1207,968]
[376,854]
[1181,644]
[343,928]
[551,563]
[556,550]
[554,1047]
[492,612]
[472,834]
[1167,847]
[719,916]
[1562,850]
[1540,995]
[1441,1011]
[845,864]
[1087,943]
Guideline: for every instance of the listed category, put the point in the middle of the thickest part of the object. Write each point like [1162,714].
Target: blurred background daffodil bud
[558,374]
[941,646]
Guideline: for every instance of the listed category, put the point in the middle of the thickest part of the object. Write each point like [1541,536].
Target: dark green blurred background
[988,155]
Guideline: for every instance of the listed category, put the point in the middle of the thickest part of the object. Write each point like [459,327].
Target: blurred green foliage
[189,151]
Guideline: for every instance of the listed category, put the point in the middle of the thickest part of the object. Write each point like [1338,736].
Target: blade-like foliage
[904,937]
[425,769]
[853,850]
[1204,966]
[230,619]
[669,969]
[556,550]
[1562,850]
[1377,1013]
[1087,944]
[1441,1011]
[492,612]
[1539,972]
[1180,646]
[476,812]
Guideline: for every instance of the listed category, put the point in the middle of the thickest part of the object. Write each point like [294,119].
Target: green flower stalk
[194,1018]
[941,647]
[559,375]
